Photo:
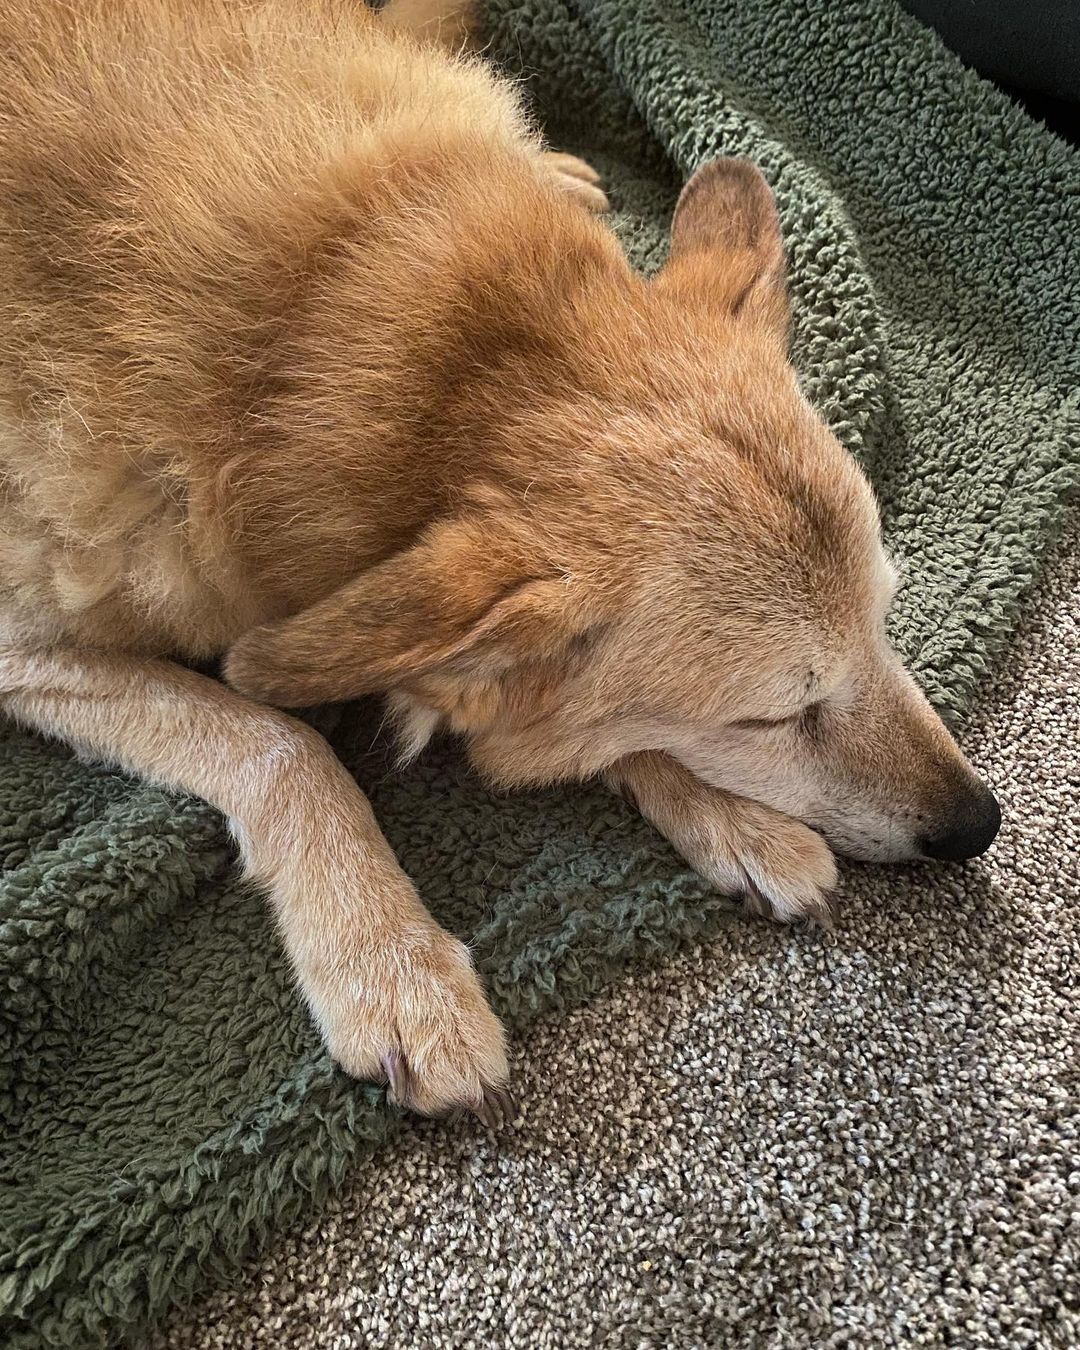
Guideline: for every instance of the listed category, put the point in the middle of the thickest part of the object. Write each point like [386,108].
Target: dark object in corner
[1031,48]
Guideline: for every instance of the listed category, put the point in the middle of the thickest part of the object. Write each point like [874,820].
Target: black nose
[969,832]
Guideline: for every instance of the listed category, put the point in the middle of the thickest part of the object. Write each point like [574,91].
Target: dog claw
[397,1077]
[497,1108]
[824,917]
[754,903]
[485,1113]
[507,1105]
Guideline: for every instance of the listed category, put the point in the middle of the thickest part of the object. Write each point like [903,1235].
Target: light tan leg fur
[447,22]
[393,994]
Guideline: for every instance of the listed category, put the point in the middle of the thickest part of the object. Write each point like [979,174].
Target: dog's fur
[311,357]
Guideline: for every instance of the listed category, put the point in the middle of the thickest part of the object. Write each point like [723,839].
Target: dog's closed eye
[805,719]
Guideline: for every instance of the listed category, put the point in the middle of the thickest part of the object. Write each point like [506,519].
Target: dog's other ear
[452,606]
[726,246]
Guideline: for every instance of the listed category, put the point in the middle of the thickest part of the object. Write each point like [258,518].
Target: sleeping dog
[312,358]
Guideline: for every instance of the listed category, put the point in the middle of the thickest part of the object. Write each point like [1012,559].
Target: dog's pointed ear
[450,606]
[726,247]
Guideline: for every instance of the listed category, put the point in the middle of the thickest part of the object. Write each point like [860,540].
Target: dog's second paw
[778,865]
[781,868]
[410,1011]
[789,873]
[578,179]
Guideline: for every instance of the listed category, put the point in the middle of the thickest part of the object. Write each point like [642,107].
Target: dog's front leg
[393,994]
[778,864]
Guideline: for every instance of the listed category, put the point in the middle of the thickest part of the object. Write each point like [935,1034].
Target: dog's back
[175,178]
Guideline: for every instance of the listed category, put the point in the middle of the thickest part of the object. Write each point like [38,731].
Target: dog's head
[675,555]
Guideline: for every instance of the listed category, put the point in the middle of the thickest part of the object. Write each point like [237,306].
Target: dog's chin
[887,845]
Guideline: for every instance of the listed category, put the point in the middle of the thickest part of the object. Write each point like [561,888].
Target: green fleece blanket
[164,1103]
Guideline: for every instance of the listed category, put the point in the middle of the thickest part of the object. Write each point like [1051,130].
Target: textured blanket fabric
[163,1101]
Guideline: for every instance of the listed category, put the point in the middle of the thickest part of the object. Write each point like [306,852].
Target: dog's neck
[419,370]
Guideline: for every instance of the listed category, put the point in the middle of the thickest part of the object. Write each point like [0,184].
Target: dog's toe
[791,875]
[578,180]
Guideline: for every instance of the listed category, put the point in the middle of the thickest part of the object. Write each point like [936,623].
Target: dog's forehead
[785,525]
[788,586]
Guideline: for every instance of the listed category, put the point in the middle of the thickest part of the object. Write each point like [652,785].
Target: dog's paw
[781,868]
[777,864]
[791,875]
[578,179]
[410,1011]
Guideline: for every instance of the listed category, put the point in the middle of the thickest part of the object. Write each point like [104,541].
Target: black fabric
[1032,46]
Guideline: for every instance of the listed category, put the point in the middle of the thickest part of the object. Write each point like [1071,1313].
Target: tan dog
[310,356]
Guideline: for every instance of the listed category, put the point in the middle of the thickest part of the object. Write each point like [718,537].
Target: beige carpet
[787,1139]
